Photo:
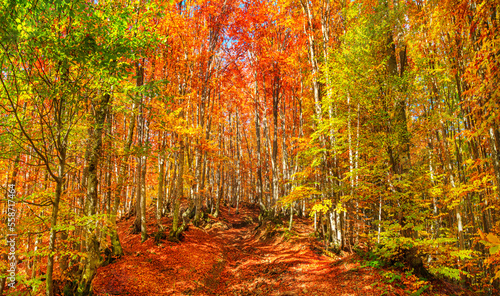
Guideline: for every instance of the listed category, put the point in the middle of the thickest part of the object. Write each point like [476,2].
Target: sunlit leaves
[321,207]
[299,193]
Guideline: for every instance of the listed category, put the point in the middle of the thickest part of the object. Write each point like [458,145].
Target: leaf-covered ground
[232,256]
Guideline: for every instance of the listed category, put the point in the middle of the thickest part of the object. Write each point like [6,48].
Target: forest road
[233,256]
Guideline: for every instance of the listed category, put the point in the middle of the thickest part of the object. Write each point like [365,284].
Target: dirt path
[233,258]
[258,263]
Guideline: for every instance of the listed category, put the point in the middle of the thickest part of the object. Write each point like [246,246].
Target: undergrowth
[394,273]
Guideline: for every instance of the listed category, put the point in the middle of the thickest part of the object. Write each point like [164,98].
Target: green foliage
[390,277]
[370,258]
[420,290]
[448,272]
[288,234]
[35,283]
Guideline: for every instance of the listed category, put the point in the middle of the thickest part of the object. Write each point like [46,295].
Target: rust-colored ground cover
[232,256]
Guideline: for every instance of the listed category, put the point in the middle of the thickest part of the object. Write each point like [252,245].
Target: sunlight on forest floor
[237,261]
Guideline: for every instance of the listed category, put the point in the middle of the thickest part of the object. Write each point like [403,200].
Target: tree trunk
[92,261]
[220,190]
[161,191]
[274,155]
[136,227]
[53,226]
[144,234]
[115,240]
[59,179]
[176,230]
[309,32]
[257,136]
[140,133]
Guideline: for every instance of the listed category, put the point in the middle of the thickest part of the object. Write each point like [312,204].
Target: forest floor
[230,255]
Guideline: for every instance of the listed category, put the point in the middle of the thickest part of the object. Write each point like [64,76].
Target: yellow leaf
[481,234]
[493,239]
[497,274]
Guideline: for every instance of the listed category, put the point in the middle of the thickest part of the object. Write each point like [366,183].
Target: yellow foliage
[492,242]
[340,208]
[299,193]
[322,206]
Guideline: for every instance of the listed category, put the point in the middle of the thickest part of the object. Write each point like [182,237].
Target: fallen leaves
[230,259]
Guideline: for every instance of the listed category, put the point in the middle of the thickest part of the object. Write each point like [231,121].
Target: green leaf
[494,249]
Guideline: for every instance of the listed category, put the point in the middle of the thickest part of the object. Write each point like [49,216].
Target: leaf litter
[232,255]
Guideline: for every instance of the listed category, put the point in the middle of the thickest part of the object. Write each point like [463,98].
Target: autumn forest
[364,134]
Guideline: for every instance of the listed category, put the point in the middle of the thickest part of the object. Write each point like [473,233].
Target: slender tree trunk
[173,179]
[92,261]
[220,191]
[140,133]
[138,202]
[274,155]
[161,191]
[176,230]
[144,234]
[53,225]
[238,162]
[115,240]
[220,173]
[309,31]
[495,144]
[257,136]
[59,179]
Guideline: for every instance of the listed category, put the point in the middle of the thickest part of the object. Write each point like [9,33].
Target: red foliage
[237,261]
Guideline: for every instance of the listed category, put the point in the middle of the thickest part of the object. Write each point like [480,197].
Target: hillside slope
[232,255]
